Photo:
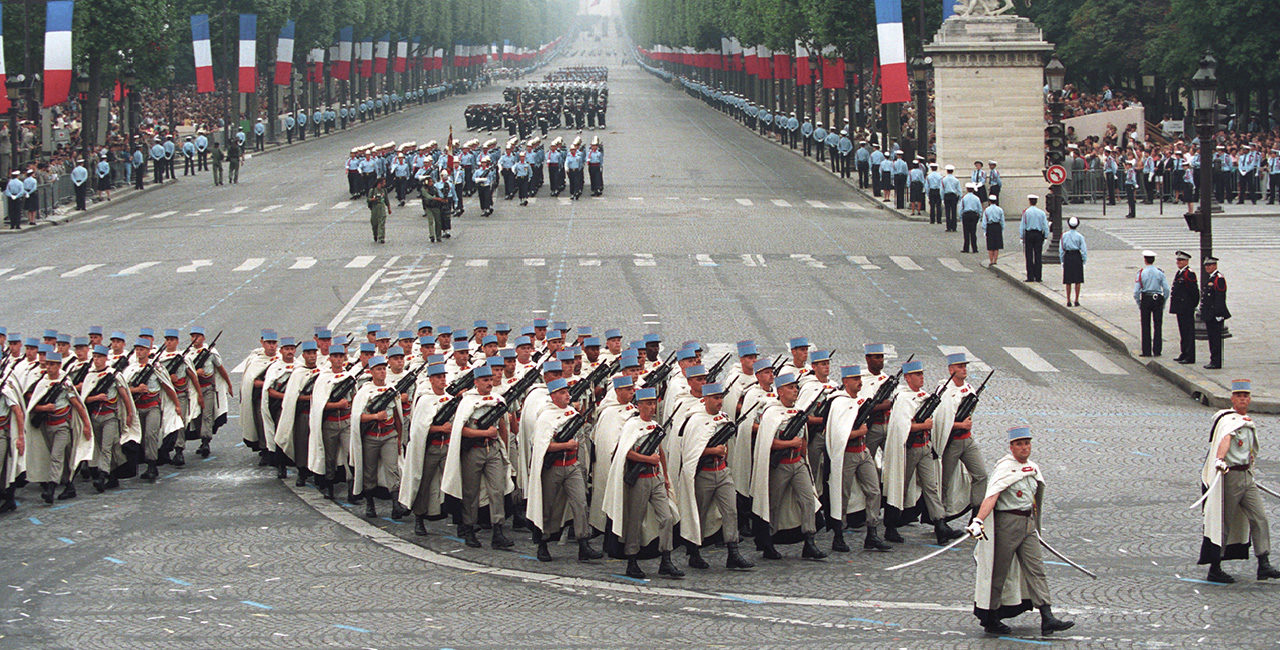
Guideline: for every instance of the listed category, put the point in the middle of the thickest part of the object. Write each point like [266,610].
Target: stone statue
[969,8]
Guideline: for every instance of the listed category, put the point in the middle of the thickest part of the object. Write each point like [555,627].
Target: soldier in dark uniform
[1183,299]
[1213,309]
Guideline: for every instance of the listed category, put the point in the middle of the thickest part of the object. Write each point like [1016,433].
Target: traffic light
[1221,117]
[1055,140]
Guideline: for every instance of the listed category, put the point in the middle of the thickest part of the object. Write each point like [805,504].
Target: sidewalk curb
[1198,386]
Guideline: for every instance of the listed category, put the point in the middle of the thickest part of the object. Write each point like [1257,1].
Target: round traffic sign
[1056,174]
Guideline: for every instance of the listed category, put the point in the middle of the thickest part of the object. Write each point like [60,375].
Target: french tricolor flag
[342,64]
[57,52]
[4,97]
[384,49]
[204,57]
[317,64]
[402,56]
[284,54]
[366,58]
[893,53]
[248,53]
[804,76]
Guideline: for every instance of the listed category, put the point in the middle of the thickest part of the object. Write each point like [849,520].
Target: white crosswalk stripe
[744,201]
[863,262]
[236,210]
[1099,362]
[304,207]
[128,216]
[535,261]
[643,259]
[166,213]
[975,364]
[250,264]
[339,205]
[359,262]
[905,263]
[133,270]
[629,198]
[302,263]
[1250,234]
[781,203]
[850,204]
[817,204]
[194,266]
[5,270]
[705,260]
[1030,360]
[478,262]
[807,260]
[564,200]
[269,208]
[97,218]
[80,270]
[954,264]
[33,272]
[588,261]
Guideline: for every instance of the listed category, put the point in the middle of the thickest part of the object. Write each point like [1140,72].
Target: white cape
[1006,472]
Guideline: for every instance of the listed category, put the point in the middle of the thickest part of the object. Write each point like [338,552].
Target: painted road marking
[1099,362]
[1030,360]
[906,263]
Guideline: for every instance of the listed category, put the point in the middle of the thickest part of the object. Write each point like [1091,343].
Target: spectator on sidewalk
[933,184]
[1073,253]
[993,227]
[1150,291]
[32,187]
[80,179]
[916,178]
[104,177]
[1183,299]
[15,194]
[950,196]
[970,213]
[1032,231]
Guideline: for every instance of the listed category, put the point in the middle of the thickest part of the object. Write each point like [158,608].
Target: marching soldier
[375,439]
[853,484]
[251,383]
[157,406]
[908,455]
[954,442]
[424,457]
[186,385]
[1184,296]
[1010,576]
[330,423]
[1234,515]
[477,461]
[782,493]
[60,435]
[215,388]
[379,210]
[556,477]
[873,354]
[113,417]
[13,443]
[293,429]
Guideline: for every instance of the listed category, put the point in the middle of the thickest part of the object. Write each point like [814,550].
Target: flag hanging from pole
[4,97]
[380,58]
[203,56]
[342,64]
[832,68]
[893,53]
[284,54]
[57,52]
[248,53]
[402,56]
[366,58]
[317,64]
[803,75]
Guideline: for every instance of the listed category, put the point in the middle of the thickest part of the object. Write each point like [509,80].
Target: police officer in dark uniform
[1213,309]
[1183,299]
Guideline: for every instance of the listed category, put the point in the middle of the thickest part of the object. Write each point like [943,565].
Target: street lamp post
[82,94]
[920,74]
[13,88]
[173,128]
[1055,75]
[131,116]
[1204,92]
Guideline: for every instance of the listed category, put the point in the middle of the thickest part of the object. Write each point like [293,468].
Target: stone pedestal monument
[988,76]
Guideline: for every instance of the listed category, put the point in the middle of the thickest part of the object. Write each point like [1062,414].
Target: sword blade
[1216,479]
[940,551]
[1268,490]
[1064,558]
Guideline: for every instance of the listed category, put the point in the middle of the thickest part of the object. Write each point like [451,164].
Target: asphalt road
[705,232]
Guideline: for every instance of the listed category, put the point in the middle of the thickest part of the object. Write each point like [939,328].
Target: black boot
[695,557]
[46,492]
[152,473]
[1050,624]
[500,539]
[544,553]
[891,535]
[811,550]
[398,511]
[1265,570]
[945,533]
[873,541]
[328,490]
[633,569]
[112,482]
[177,460]
[1216,574]
[282,470]
[468,535]
[837,542]
[370,507]
[99,481]
[586,553]
[7,503]
[302,479]
[203,451]
[668,568]
[68,491]
[518,522]
[736,561]
[992,625]
[264,458]
[420,526]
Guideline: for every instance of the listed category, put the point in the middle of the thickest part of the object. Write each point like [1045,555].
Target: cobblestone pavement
[221,554]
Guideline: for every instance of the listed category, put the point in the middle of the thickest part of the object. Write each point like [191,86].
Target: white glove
[975,529]
[1221,465]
